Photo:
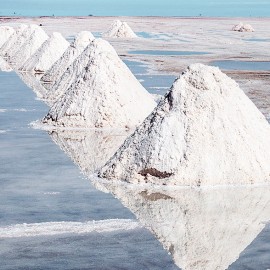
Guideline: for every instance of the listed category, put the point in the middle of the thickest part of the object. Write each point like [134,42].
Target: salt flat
[199,34]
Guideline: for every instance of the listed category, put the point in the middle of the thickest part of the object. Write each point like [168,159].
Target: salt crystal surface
[5,34]
[243,27]
[50,51]
[105,93]
[73,51]
[120,29]
[29,47]
[12,39]
[205,131]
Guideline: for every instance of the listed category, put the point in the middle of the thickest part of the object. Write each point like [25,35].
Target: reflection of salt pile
[29,47]
[54,73]
[12,39]
[50,51]
[88,149]
[5,34]
[192,224]
[204,132]
[120,30]
[243,27]
[106,94]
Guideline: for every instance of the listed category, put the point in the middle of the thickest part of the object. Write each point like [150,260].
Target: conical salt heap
[243,27]
[5,33]
[73,51]
[29,47]
[205,131]
[120,29]
[50,51]
[105,95]
[9,44]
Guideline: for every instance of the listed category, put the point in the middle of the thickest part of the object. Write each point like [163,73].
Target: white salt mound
[120,30]
[205,131]
[242,27]
[26,34]
[73,51]
[29,47]
[50,51]
[5,34]
[105,95]
[4,66]
[12,39]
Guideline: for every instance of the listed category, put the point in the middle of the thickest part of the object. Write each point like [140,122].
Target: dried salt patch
[58,228]
[5,33]
[243,27]
[50,51]
[12,39]
[205,131]
[29,47]
[73,51]
[120,29]
[105,93]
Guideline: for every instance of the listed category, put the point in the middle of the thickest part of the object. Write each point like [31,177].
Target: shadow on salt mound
[104,93]
[205,131]
[190,222]
[120,29]
[243,27]
[54,74]
[44,58]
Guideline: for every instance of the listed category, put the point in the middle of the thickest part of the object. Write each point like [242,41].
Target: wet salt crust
[204,132]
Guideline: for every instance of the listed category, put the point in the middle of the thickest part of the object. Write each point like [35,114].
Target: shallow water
[39,183]
[258,39]
[241,65]
[158,52]
[155,84]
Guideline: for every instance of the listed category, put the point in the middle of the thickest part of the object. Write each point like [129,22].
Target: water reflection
[89,149]
[201,228]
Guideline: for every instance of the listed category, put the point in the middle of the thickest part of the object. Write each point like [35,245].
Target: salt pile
[242,27]
[105,95]
[120,30]
[50,51]
[204,132]
[12,39]
[73,51]
[4,66]
[5,33]
[29,47]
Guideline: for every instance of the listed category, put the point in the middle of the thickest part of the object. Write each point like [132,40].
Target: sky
[236,8]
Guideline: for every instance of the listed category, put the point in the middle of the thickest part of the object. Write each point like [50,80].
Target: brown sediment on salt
[205,131]
[103,94]
[120,29]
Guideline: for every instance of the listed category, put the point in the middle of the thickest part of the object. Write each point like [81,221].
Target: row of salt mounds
[5,33]
[120,30]
[29,47]
[74,50]
[105,95]
[50,51]
[242,27]
[205,131]
[8,45]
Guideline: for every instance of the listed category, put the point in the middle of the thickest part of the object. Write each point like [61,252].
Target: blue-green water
[237,8]
[241,65]
[158,52]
